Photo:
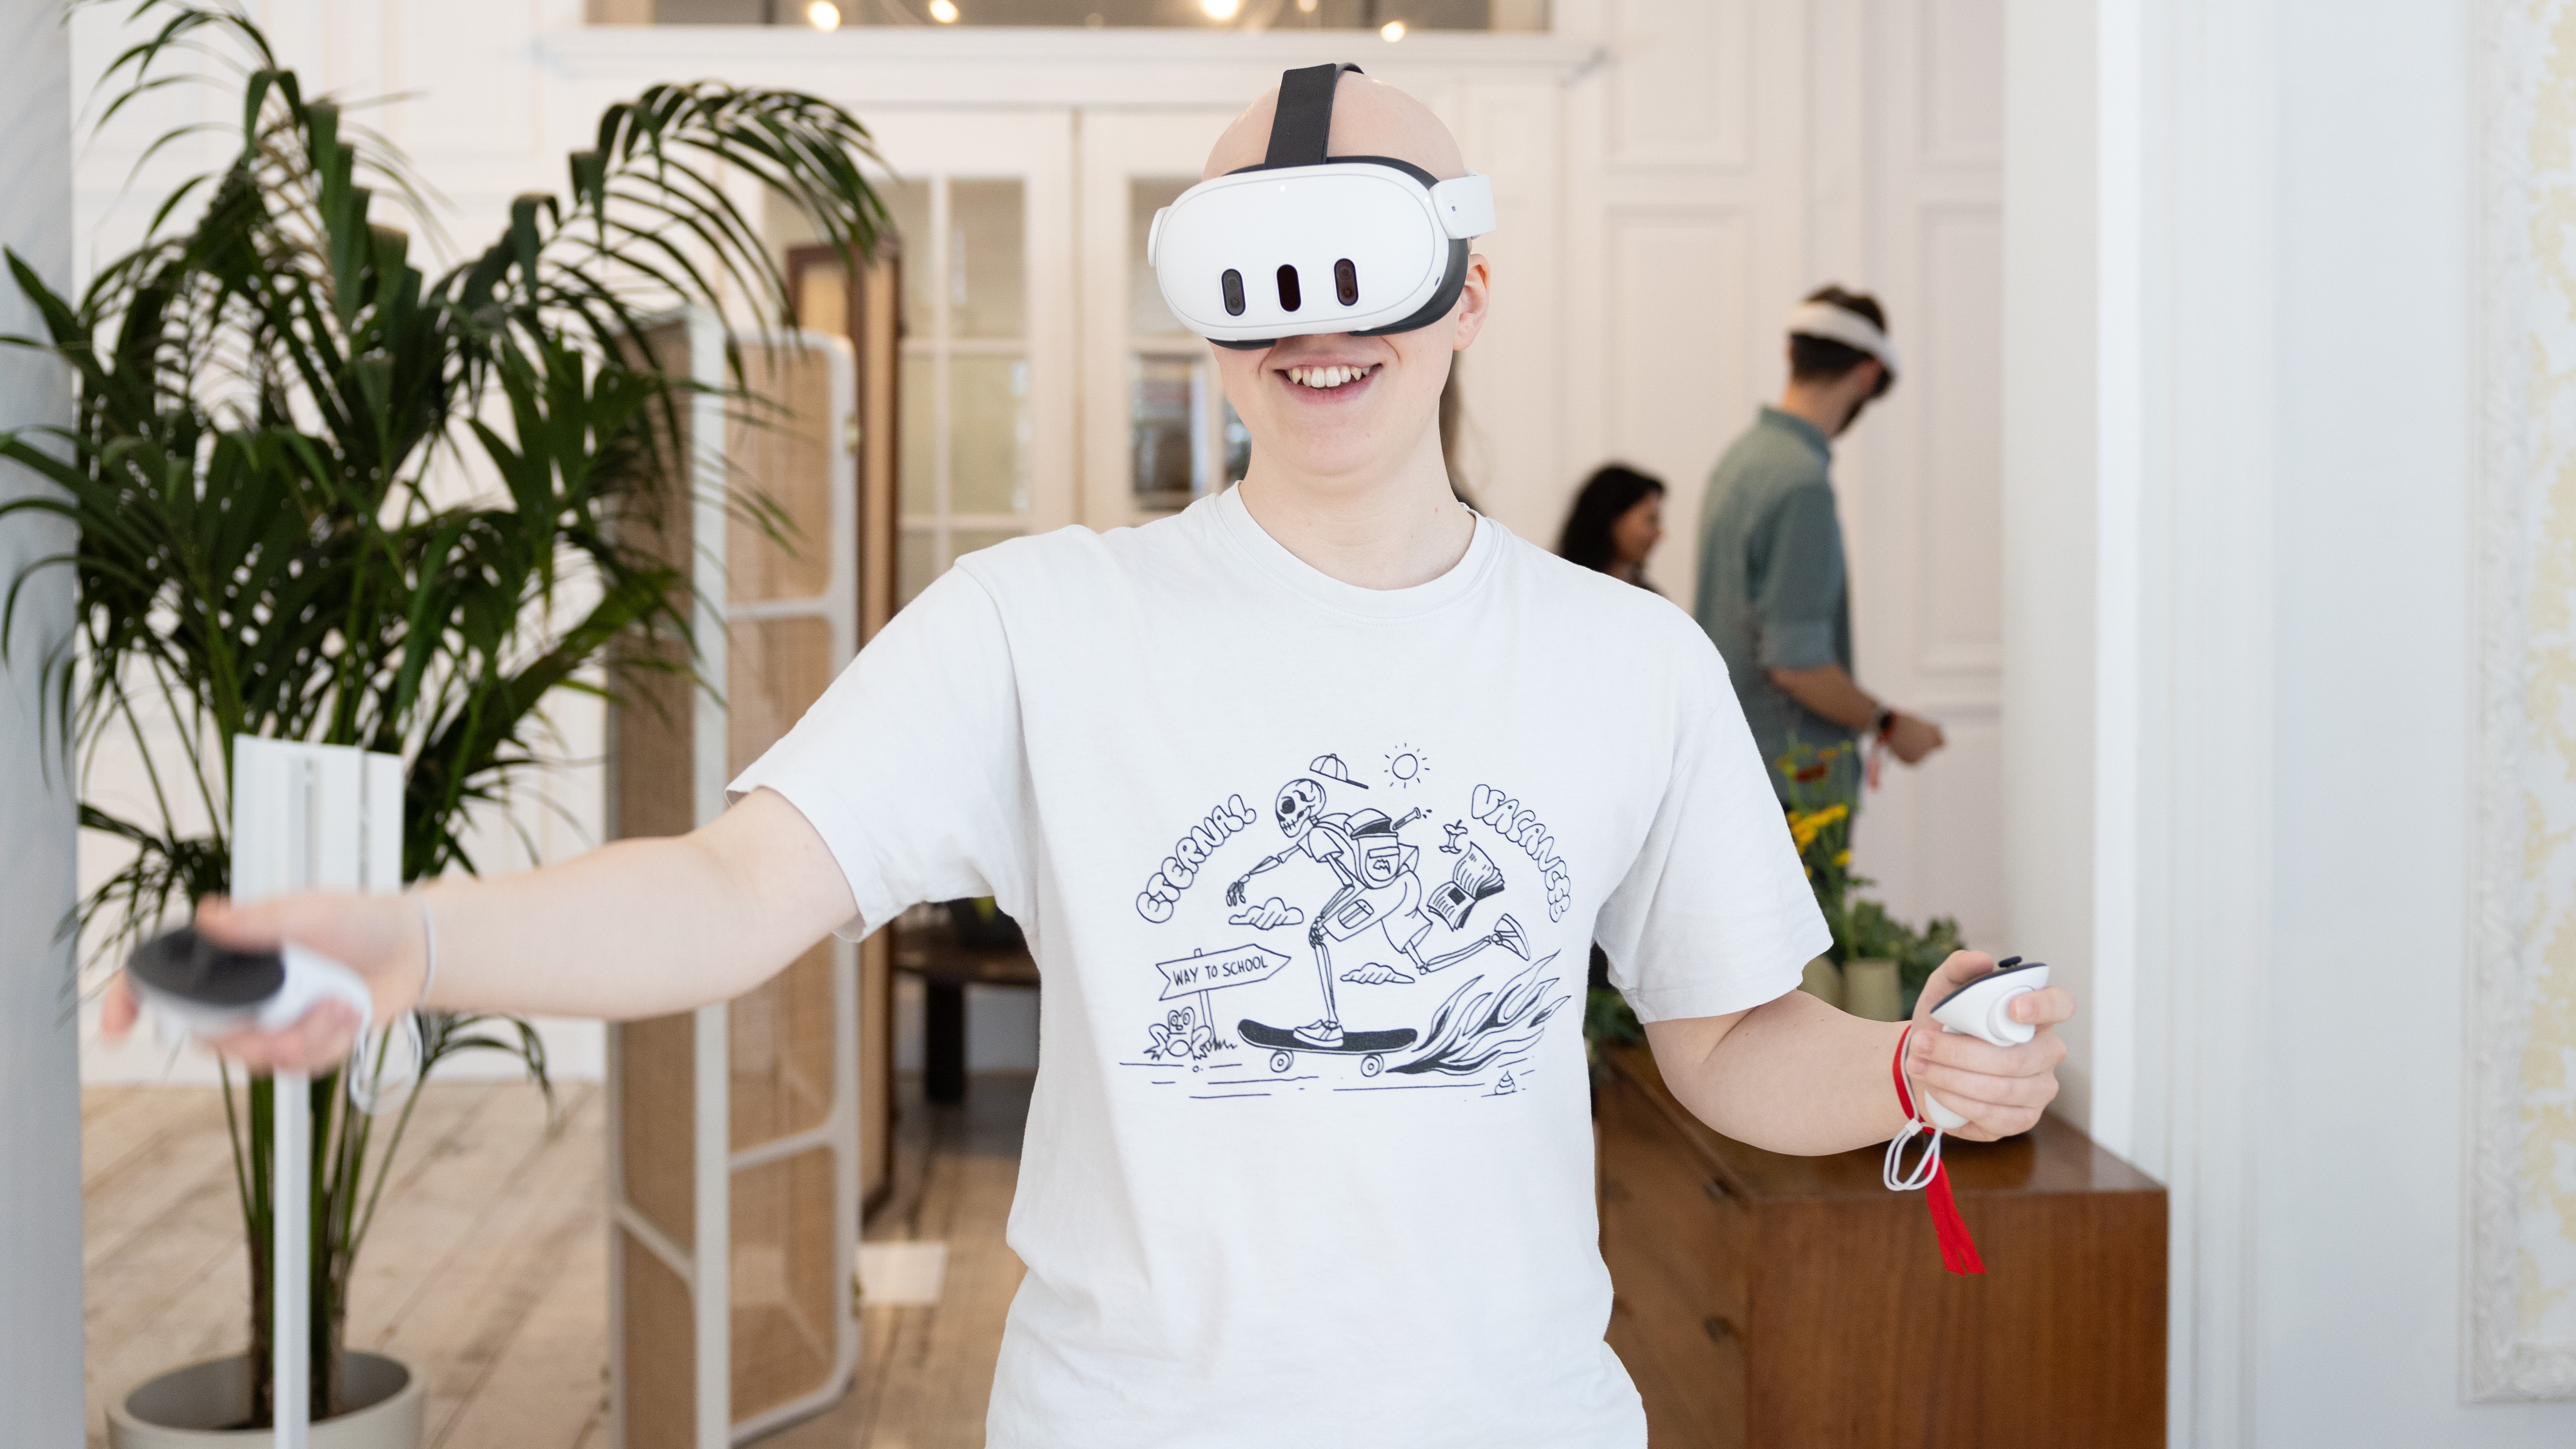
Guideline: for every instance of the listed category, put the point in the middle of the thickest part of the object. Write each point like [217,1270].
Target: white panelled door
[1922,475]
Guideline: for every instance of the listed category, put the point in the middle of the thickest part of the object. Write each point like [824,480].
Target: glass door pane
[988,431]
[1163,433]
[987,277]
[967,384]
[1146,314]
[1182,434]
[1158,433]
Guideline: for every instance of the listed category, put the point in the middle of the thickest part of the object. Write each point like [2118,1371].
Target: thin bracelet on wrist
[429,952]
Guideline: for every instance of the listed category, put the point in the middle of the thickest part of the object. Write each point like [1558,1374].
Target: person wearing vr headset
[1773,591]
[1377,1234]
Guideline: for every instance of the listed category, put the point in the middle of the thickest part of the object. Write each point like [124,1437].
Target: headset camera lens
[1232,281]
[1346,282]
[1288,295]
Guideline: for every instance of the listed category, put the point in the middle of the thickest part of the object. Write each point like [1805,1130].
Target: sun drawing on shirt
[1406,767]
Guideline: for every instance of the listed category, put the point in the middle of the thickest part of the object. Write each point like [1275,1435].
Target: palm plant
[266,387]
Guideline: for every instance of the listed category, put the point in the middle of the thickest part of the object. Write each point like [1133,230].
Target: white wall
[2371,697]
[2050,441]
[40,1151]
[2265,209]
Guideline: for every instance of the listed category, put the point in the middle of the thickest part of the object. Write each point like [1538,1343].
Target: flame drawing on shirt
[1465,1038]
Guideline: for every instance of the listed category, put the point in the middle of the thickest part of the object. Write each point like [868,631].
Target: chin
[1338,452]
[1356,440]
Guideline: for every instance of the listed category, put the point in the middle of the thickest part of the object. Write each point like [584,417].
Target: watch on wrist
[1882,722]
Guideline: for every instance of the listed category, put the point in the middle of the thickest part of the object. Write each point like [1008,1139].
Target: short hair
[1606,498]
[1821,359]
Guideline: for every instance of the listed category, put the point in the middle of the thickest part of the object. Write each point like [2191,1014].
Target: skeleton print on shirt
[1405,968]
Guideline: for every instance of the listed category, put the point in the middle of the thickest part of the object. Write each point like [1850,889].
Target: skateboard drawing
[1368,1046]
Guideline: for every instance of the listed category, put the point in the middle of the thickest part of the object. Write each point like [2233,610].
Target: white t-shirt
[1378,1230]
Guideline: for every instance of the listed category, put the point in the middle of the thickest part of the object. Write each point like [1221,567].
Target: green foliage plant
[266,387]
[1820,823]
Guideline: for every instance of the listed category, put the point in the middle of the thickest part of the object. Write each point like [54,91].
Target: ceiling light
[823,15]
[1305,7]
[1393,30]
[1220,9]
[944,11]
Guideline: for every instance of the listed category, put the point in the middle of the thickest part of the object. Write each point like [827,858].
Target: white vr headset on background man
[1306,243]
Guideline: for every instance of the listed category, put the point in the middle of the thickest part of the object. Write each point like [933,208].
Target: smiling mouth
[1325,379]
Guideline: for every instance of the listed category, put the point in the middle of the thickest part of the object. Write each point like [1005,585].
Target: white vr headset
[1306,243]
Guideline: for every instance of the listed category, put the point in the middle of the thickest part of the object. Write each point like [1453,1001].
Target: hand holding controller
[201,989]
[1983,1009]
[192,987]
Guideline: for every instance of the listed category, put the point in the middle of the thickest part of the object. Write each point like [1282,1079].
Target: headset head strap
[1303,124]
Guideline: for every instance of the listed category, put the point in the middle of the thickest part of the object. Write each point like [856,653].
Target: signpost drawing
[1201,972]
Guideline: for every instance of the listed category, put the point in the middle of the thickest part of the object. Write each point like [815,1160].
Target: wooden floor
[487,1268]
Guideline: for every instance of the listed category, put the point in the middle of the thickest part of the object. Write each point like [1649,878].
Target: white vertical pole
[305,816]
[291,1257]
[275,800]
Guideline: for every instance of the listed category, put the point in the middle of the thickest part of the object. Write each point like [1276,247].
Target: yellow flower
[1805,827]
[1843,859]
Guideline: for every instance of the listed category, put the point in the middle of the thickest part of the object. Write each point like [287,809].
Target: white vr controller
[200,989]
[1983,1009]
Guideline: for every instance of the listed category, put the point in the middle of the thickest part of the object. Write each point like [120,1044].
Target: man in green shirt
[1772,585]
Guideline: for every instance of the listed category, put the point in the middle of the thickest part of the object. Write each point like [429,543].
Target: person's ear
[1475,299]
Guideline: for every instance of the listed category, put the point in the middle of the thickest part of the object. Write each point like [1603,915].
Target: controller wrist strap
[1958,1250]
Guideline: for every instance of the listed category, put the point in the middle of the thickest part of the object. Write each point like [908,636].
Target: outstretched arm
[638,928]
[1794,1075]
[1234,892]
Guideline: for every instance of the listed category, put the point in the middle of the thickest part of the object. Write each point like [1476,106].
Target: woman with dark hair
[1617,519]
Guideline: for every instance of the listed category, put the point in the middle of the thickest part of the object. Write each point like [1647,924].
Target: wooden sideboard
[927,947]
[1774,1301]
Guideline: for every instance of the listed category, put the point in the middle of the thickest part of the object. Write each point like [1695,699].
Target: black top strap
[1304,121]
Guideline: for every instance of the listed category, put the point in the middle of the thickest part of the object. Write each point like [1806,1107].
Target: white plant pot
[1871,989]
[1823,980]
[190,1407]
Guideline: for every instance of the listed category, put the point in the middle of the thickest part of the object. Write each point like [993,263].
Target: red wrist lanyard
[1958,1250]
